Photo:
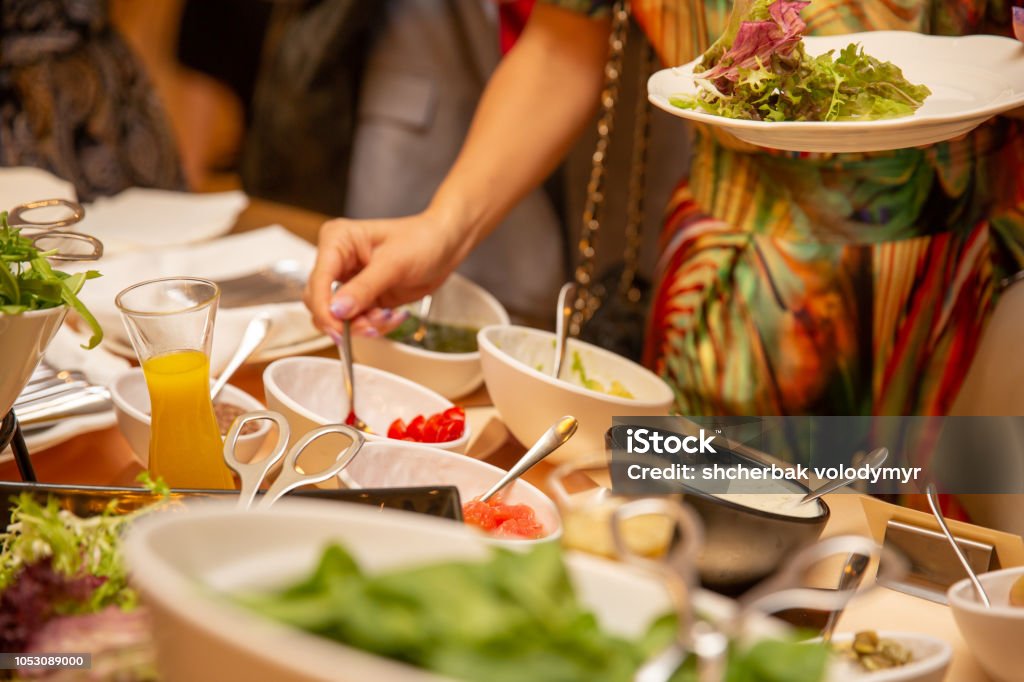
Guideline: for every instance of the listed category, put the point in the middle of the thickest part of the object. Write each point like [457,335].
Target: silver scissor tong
[291,476]
[51,236]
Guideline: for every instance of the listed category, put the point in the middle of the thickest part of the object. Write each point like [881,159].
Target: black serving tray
[85,501]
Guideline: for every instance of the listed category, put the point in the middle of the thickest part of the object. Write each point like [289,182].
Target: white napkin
[136,219]
[140,218]
[19,185]
[224,258]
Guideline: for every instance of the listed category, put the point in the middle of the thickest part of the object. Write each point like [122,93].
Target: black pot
[742,545]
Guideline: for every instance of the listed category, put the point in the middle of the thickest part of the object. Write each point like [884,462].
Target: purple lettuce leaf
[757,41]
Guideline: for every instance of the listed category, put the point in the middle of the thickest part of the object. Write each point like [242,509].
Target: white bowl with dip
[994,635]
[517,363]
[456,302]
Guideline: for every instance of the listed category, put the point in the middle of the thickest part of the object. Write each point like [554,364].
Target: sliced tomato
[415,428]
[455,413]
[397,430]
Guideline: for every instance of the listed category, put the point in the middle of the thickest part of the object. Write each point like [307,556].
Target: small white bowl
[309,392]
[517,364]
[397,464]
[995,636]
[931,658]
[458,301]
[131,406]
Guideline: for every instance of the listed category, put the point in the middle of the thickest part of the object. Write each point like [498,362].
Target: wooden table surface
[104,458]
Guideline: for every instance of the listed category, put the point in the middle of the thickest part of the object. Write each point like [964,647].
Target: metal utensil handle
[291,477]
[678,571]
[786,589]
[850,578]
[97,246]
[552,439]
[345,348]
[679,564]
[566,296]
[84,401]
[255,334]
[873,460]
[16,217]
[253,474]
[933,501]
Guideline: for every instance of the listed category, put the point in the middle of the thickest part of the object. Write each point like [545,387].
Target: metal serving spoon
[255,334]
[565,297]
[933,502]
[873,460]
[552,439]
[420,335]
[348,376]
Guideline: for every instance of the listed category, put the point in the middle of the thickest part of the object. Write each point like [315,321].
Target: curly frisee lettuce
[28,282]
[758,70]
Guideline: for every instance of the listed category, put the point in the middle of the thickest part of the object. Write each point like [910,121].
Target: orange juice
[185,446]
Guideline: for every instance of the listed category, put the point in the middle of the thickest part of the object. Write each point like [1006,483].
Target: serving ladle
[873,460]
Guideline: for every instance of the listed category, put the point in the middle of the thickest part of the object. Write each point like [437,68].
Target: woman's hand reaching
[541,96]
[381,263]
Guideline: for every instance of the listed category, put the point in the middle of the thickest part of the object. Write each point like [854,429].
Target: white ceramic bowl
[23,340]
[178,560]
[309,392]
[396,464]
[458,301]
[994,635]
[131,407]
[931,658]
[517,362]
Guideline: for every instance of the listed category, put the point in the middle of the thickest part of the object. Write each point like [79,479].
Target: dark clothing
[75,101]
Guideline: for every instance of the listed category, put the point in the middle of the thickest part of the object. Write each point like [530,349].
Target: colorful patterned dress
[833,283]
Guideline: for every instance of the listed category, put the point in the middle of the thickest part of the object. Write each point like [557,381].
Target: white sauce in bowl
[786,504]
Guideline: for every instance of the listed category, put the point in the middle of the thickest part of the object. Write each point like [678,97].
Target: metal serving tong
[787,589]
[291,476]
[678,569]
[50,235]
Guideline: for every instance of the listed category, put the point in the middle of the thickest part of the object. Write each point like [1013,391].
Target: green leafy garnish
[512,617]
[75,546]
[758,70]
[28,282]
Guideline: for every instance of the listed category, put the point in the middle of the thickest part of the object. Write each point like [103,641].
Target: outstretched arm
[537,102]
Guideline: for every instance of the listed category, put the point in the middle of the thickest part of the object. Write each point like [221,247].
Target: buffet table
[104,458]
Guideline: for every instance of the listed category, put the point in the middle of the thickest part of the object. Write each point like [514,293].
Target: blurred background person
[75,101]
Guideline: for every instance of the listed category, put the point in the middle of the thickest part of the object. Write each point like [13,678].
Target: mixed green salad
[63,585]
[510,618]
[28,282]
[758,70]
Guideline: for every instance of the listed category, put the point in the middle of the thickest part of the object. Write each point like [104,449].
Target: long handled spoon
[565,296]
[255,334]
[933,502]
[420,335]
[348,375]
[874,459]
[552,439]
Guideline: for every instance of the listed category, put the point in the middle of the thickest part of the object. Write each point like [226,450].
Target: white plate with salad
[769,86]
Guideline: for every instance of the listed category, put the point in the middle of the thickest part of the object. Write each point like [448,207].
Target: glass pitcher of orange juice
[170,324]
